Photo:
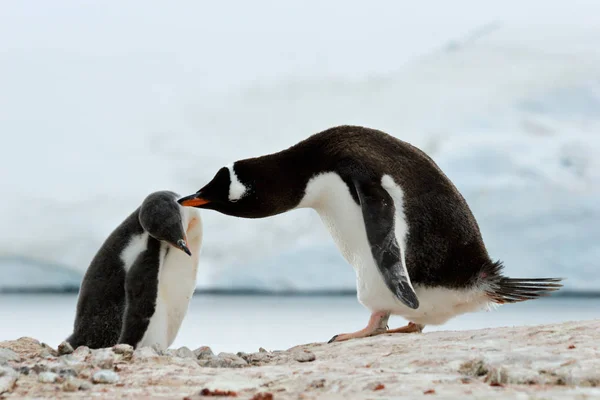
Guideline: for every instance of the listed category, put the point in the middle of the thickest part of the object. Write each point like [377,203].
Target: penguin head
[250,188]
[161,217]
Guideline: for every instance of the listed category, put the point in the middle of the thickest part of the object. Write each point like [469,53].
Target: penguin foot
[410,328]
[376,326]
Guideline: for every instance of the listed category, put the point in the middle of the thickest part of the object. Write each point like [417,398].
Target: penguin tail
[501,289]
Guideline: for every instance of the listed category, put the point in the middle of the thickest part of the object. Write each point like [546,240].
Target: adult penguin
[395,216]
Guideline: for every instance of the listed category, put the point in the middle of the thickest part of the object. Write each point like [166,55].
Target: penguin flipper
[379,213]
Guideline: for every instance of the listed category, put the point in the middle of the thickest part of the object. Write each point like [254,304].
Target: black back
[444,244]
[101,302]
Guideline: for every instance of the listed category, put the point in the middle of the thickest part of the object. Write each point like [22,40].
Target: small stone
[304,356]
[217,393]
[262,396]
[85,374]
[71,385]
[72,362]
[6,371]
[24,370]
[105,376]
[474,368]
[48,377]
[223,360]
[185,352]
[85,386]
[65,367]
[39,368]
[8,378]
[262,350]
[260,358]
[204,353]
[375,386]
[82,352]
[47,351]
[123,348]
[8,355]
[103,358]
[144,353]
[65,348]
[317,384]
[496,376]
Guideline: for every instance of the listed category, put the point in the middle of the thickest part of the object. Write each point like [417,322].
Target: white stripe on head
[237,190]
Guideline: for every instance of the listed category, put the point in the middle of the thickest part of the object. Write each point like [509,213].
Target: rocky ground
[549,361]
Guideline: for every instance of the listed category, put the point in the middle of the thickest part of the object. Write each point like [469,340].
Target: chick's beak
[183,246]
[193,200]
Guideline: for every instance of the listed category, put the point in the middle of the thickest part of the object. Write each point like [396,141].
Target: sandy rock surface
[549,361]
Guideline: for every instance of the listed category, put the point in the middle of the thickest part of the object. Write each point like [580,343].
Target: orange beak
[192,201]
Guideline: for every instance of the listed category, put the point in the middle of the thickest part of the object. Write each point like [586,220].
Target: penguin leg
[376,326]
[410,328]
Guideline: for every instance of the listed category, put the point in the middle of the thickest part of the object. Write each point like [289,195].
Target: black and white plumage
[396,218]
[138,286]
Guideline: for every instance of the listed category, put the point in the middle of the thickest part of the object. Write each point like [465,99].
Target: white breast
[329,195]
[176,285]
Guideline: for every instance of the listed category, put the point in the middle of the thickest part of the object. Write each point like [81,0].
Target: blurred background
[103,102]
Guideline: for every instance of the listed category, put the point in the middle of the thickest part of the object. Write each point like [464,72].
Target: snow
[103,103]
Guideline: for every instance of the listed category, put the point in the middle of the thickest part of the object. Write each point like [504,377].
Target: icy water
[245,323]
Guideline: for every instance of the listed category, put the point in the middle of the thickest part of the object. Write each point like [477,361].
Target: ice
[102,105]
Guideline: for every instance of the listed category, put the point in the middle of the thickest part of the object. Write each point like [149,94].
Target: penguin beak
[193,200]
[183,246]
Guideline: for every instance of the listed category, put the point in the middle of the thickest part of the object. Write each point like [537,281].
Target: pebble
[64,369]
[82,352]
[8,355]
[24,370]
[496,376]
[103,358]
[144,353]
[304,356]
[8,378]
[260,358]
[39,368]
[72,385]
[123,348]
[105,376]
[223,360]
[203,353]
[72,362]
[47,351]
[317,384]
[184,352]
[8,371]
[85,374]
[48,377]
[65,348]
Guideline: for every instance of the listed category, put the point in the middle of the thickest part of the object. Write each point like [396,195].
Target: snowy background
[104,102]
